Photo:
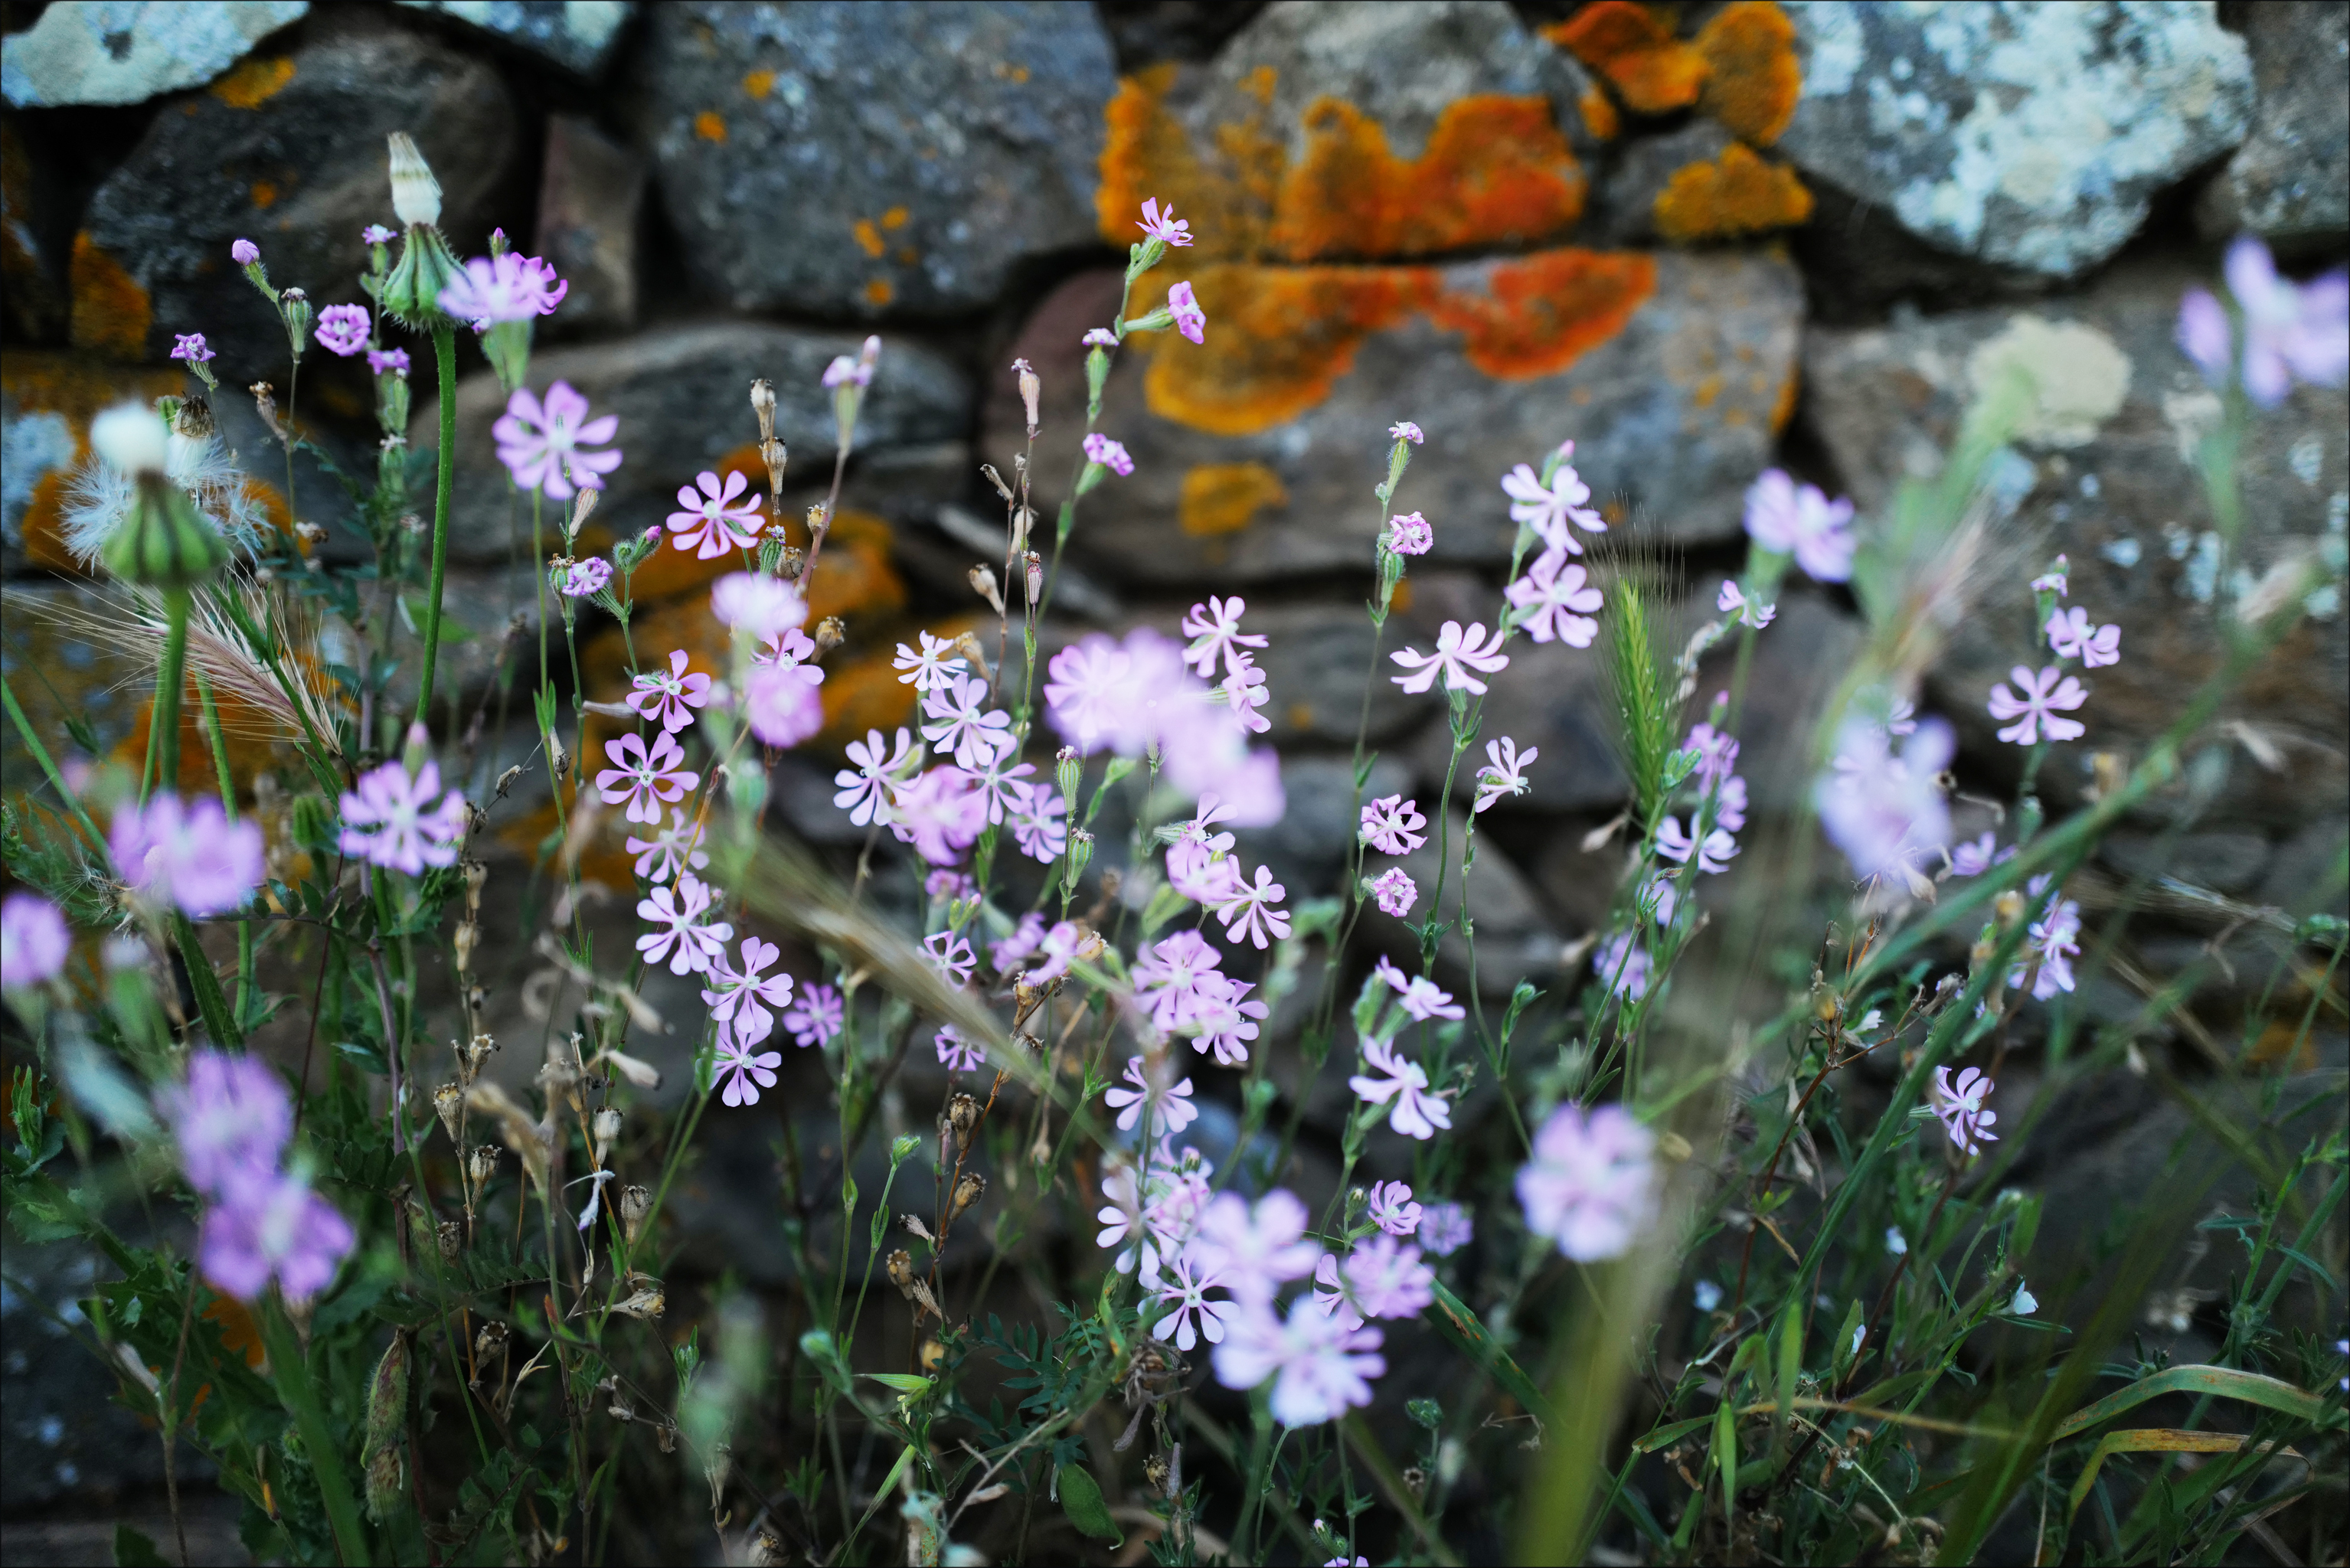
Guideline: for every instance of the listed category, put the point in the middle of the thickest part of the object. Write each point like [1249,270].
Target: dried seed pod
[983,583]
[963,1115]
[900,1267]
[776,457]
[1032,390]
[387,1477]
[482,1163]
[968,1191]
[645,1303]
[636,1202]
[791,563]
[1033,570]
[452,1239]
[763,403]
[490,1342]
[987,471]
[608,1127]
[449,1100]
[829,632]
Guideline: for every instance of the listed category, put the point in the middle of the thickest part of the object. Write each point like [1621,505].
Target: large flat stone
[98,54]
[862,159]
[577,34]
[2290,178]
[2030,136]
[591,198]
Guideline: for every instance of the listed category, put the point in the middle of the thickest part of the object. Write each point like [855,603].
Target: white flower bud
[415,193]
[131,437]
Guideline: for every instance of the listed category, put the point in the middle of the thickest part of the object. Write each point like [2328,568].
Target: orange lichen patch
[264,193]
[709,126]
[861,694]
[239,1333]
[253,746]
[895,218]
[879,292]
[1540,314]
[1599,116]
[1279,339]
[869,237]
[1752,76]
[1227,197]
[1225,497]
[1783,408]
[1737,194]
[1495,169]
[111,312]
[759,84]
[253,83]
[1633,47]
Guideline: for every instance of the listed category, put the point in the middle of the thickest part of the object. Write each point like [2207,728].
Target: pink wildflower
[1416,1113]
[547,446]
[231,1118]
[1445,1228]
[1553,601]
[1109,453]
[244,253]
[1504,771]
[1227,1019]
[1395,892]
[1623,966]
[668,698]
[1165,227]
[1171,1109]
[387,361]
[2042,696]
[1169,980]
[1409,535]
[712,523]
[931,667]
[585,579]
[781,705]
[957,1054]
[1248,913]
[272,1226]
[2056,579]
[2070,635]
[190,856]
[1184,1303]
[738,1000]
[1243,693]
[392,822]
[639,778]
[510,288]
[1752,612]
[865,788]
[1553,511]
[1098,338]
[2291,333]
[939,813]
[951,956]
[1404,430]
[1004,952]
[1215,628]
[743,1070]
[817,1018]
[190,347]
[1257,1248]
[1460,657]
[1320,1367]
[1590,1186]
[1039,823]
[1392,825]
[671,849]
[1190,319]
[962,723]
[762,607]
[1713,855]
[1386,1278]
[342,330]
[1886,811]
[681,935]
[1391,1208]
[1802,521]
[33,941]
[1959,1107]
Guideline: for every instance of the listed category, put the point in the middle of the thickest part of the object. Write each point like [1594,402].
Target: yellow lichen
[1147,153]
[111,312]
[709,126]
[1633,47]
[1599,116]
[253,83]
[759,83]
[1541,313]
[895,218]
[1281,338]
[1225,497]
[1752,76]
[879,292]
[1736,194]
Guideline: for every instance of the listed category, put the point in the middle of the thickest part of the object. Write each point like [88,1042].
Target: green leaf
[1458,1324]
[133,1550]
[906,1383]
[2225,1382]
[1081,1500]
[2155,1440]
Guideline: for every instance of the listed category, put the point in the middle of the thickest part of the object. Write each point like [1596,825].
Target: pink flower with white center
[1227,1019]
[1729,805]
[271,1225]
[192,856]
[1556,509]
[1554,602]
[760,606]
[191,349]
[377,235]
[738,1000]
[388,362]
[781,705]
[644,780]
[1732,599]
[817,1018]
[1062,944]
[946,887]
[1109,453]
[1460,657]
[951,956]
[1195,848]
[1004,788]
[712,523]
[1445,1228]
[1388,1280]
[33,941]
[786,649]
[1190,319]
[1959,1107]
[2055,580]
[1215,628]
[1801,521]
[231,1118]
[1098,338]
[1026,937]
[2055,937]
[1623,966]
[865,789]
[1395,892]
[1975,859]
[2043,695]
[1886,812]
[1591,1185]
[680,934]
[1256,1250]
[2205,335]
[1900,717]
[1122,1220]
[1505,773]
[1330,1296]
[585,579]
[1409,535]
[1404,430]
[1168,982]
[1389,1207]
[1392,825]
[1716,754]
[2291,333]
[503,288]
[935,665]
[1248,914]
[1171,1110]
[957,1054]
[1416,1113]
[1039,820]
[392,821]
[1243,693]
[961,723]
[852,371]
[547,446]
[743,1070]
[1321,1368]
[1187,1315]
[1423,998]
[2070,635]
[1713,857]
[939,813]
[1092,691]
[671,849]
[668,698]
[1164,227]
[342,330]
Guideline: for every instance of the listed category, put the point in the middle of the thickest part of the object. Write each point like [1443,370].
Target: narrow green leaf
[132,1549]
[1458,1324]
[1081,1500]
[2223,1382]
[906,1383]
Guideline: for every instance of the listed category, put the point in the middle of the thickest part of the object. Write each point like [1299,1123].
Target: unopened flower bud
[1033,567]
[448,1099]
[580,510]
[776,456]
[165,541]
[415,193]
[636,1202]
[1032,389]
[968,1191]
[982,582]
[462,943]
[1068,769]
[608,1127]
[763,403]
[829,633]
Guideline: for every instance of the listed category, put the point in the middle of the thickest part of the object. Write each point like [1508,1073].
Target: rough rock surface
[855,158]
[128,54]
[1262,451]
[2291,180]
[682,396]
[1514,938]
[293,159]
[2103,474]
[577,34]
[591,199]
[2030,135]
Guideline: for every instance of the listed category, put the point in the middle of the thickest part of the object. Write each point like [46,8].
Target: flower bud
[415,193]
[608,1127]
[968,1191]
[636,1202]
[163,541]
[387,1405]
[449,1100]
[1032,390]
[387,1477]
[1068,770]
[1033,567]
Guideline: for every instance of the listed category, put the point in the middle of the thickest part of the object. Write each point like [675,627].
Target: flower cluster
[233,1119]
[2291,332]
[1137,696]
[190,856]
[391,820]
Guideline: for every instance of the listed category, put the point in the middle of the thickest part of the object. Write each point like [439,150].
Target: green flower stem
[164,747]
[293,1377]
[228,803]
[445,357]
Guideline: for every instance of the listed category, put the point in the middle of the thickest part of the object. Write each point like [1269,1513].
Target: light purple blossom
[1395,892]
[1168,981]
[1409,535]
[1188,1316]
[2291,332]
[1190,319]
[939,813]
[1419,996]
[1716,754]
[1109,453]
[1883,811]
[272,1226]
[342,330]
[709,521]
[961,723]
[1713,855]
[668,698]
[191,349]
[1165,227]
[33,941]
[1623,966]
[671,849]
[1006,952]
[376,234]
[936,664]
[946,887]
[780,703]
[1460,657]
[759,605]
[1386,1278]
[738,999]
[2056,579]
[1098,338]
[548,446]
[190,856]
[1330,1296]
[1259,1249]
[231,1118]
[1554,602]
[585,579]
[1122,694]
[1800,521]
[392,821]
[509,288]
[743,1070]
[244,253]
[2042,696]
[1590,1184]
[1248,912]
[1505,773]
[2070,635]
[1039,823]
[1416,1113]
[1171,1109]
[1215,628]
[1227,1019]
[680,934]
[1553,511]
[1959,1108]
[816,1018]
[1404,430]
[1445,1227]
[1388,1205]
[1392,825]
[1752,612]
[1319,1367]
[1242,692]
[644,780]
[849,370]
[387,361]
[951,956]
[957,1054]
[1974,858]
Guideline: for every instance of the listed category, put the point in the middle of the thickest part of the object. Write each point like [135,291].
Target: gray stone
[77,53]
[683,395]
[1315,661]
[2306,876]
[300,172]
[2221,862]
[576,35]
[859,159]
[1672,416]
[591,199]
[2030,135]
[2290,178]
[1514,938]
[2103,472]
[1308,847]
